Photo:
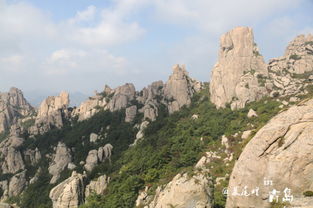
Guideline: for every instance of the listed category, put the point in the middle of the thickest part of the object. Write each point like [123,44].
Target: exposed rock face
[96,156]
[17,184]
[98,186]
[236,76]
[32,156]
[282,152]
[69,193]
[60,161]
[13,105]
[290,73]
[151,97]
[51,113]
[91,106]
[91,160]
[122,97]
[12,160]
[180,88]
[183,192]
[131,113]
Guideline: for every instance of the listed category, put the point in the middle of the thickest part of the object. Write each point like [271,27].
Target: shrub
[308,193]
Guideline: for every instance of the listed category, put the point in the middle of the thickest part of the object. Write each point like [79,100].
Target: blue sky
[81,45]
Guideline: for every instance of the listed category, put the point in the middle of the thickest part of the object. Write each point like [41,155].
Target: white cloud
[78,61]
[216,16]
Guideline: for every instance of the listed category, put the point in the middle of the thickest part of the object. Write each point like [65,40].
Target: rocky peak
[236,76]
[51,113]
[122,96]
[13,106]
[180,88]
[291,73]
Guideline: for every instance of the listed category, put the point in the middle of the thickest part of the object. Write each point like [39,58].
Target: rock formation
[281,151]
[97,186]
[150,97]
[180,88]
[131,113]
[97,156]
[13,105]
[122,96]
[240,74]
[51,113]
[60,161]
[182,192]
[70,193]
[290,73]
[11,156]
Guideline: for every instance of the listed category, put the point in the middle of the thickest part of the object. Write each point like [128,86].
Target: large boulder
[70,193]
[281,152]
[97,186]
[240,74]
[183,192]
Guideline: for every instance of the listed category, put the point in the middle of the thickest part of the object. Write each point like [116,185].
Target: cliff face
[235,76]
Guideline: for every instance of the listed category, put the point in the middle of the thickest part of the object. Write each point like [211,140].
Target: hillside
[179,143]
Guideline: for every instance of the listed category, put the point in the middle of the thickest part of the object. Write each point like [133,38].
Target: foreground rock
[70,193]
[236,76]
[281,152]
[182,192]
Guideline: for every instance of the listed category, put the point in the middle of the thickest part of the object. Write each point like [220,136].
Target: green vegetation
[279,204]
[295,57]
[309,43]
[308,193]
[172,144]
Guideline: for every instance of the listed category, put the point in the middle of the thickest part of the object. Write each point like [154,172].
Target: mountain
[179,143]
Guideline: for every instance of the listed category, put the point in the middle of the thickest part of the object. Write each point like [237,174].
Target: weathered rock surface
[70,193]
[60,161]
[183,192]
[17,184]
[179,88]
[122,96]
[11,156]
[291,73]
[97,186]
[95,103]
[13,106]
[97,156]
[131,113]
[51,113]
[238,75]
[281,151]
[32,156]
[151,97]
